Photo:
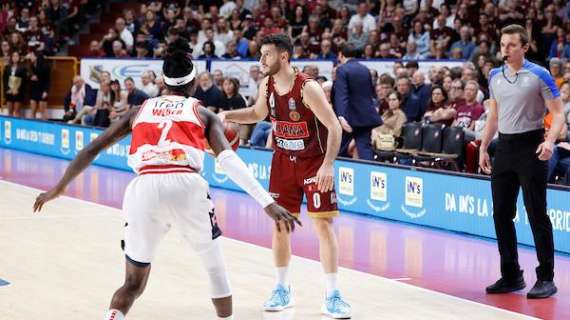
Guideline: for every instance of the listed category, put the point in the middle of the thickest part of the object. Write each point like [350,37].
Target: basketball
[231,131]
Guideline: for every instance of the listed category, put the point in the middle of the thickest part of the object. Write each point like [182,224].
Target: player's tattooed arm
[111,135]
[214,131]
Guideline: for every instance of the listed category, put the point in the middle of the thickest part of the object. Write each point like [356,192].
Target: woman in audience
[421,37]
[107,42]
[5,51]
[438,109]
[235,20]
[39,87]
[232,99]
[385,135]
[297,21]
[15,76]
[119,104]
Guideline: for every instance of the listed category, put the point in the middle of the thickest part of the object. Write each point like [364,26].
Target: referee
[520,93]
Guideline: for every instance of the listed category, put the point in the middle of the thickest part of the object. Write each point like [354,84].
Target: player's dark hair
[178,63]
[281,41]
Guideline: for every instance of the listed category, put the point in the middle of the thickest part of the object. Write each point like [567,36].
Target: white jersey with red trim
[167,132]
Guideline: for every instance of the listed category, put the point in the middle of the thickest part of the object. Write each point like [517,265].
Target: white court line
[399,282]
[307,259]
[400,279]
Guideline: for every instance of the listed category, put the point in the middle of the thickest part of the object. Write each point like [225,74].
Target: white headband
[175,82]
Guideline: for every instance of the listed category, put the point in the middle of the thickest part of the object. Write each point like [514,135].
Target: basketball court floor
[66,261]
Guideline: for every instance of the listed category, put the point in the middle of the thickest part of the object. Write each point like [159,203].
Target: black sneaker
[542,289]
[506,286]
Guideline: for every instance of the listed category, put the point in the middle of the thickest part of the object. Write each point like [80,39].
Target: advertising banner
[240,70]
[447,201]
[121,69]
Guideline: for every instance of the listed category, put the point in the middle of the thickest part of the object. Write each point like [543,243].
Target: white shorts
[155,202]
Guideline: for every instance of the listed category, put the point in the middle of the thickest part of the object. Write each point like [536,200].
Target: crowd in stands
[29,31]
[388,29]
[41,26]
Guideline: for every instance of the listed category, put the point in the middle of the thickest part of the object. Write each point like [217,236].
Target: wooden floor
[66,262]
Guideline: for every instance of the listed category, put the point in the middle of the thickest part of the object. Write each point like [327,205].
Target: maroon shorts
[292,177]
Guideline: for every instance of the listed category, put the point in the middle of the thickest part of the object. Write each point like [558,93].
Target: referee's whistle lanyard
[507,78]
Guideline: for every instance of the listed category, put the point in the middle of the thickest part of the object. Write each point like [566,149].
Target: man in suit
[353,101]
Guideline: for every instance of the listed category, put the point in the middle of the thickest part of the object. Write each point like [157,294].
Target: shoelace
[337,301]
[279,293]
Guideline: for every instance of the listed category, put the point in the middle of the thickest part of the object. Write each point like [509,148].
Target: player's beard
[273,69]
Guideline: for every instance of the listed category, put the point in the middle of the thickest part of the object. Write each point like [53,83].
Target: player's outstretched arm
[114,133]
[236,170]
[252,114]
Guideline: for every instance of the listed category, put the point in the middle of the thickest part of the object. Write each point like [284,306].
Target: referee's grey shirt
[521,104]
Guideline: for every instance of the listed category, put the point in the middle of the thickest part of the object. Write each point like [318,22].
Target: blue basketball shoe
[335,307]
[280,299]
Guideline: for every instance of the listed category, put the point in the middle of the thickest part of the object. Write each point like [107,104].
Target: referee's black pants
[515,165]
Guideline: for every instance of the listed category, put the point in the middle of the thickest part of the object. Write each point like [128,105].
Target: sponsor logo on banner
[346,185]
[241,71]
[78,140]
[378,191]
[378,186]
[65,141]
[259,170]
[414,196]
[8,132]
[219,175]
[120,69]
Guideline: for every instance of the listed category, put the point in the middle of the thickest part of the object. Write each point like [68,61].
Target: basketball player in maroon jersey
[169,135]
[306,139]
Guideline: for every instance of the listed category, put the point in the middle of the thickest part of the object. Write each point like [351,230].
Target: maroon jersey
[296,129]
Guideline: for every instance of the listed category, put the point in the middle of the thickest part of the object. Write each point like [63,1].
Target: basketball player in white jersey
[169,135]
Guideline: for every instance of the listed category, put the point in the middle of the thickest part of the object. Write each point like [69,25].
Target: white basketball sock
[283,276]
[114,314]
[226,318]
[331,282]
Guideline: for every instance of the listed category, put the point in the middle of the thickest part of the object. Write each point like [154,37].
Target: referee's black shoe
[505,286]
[542,289]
